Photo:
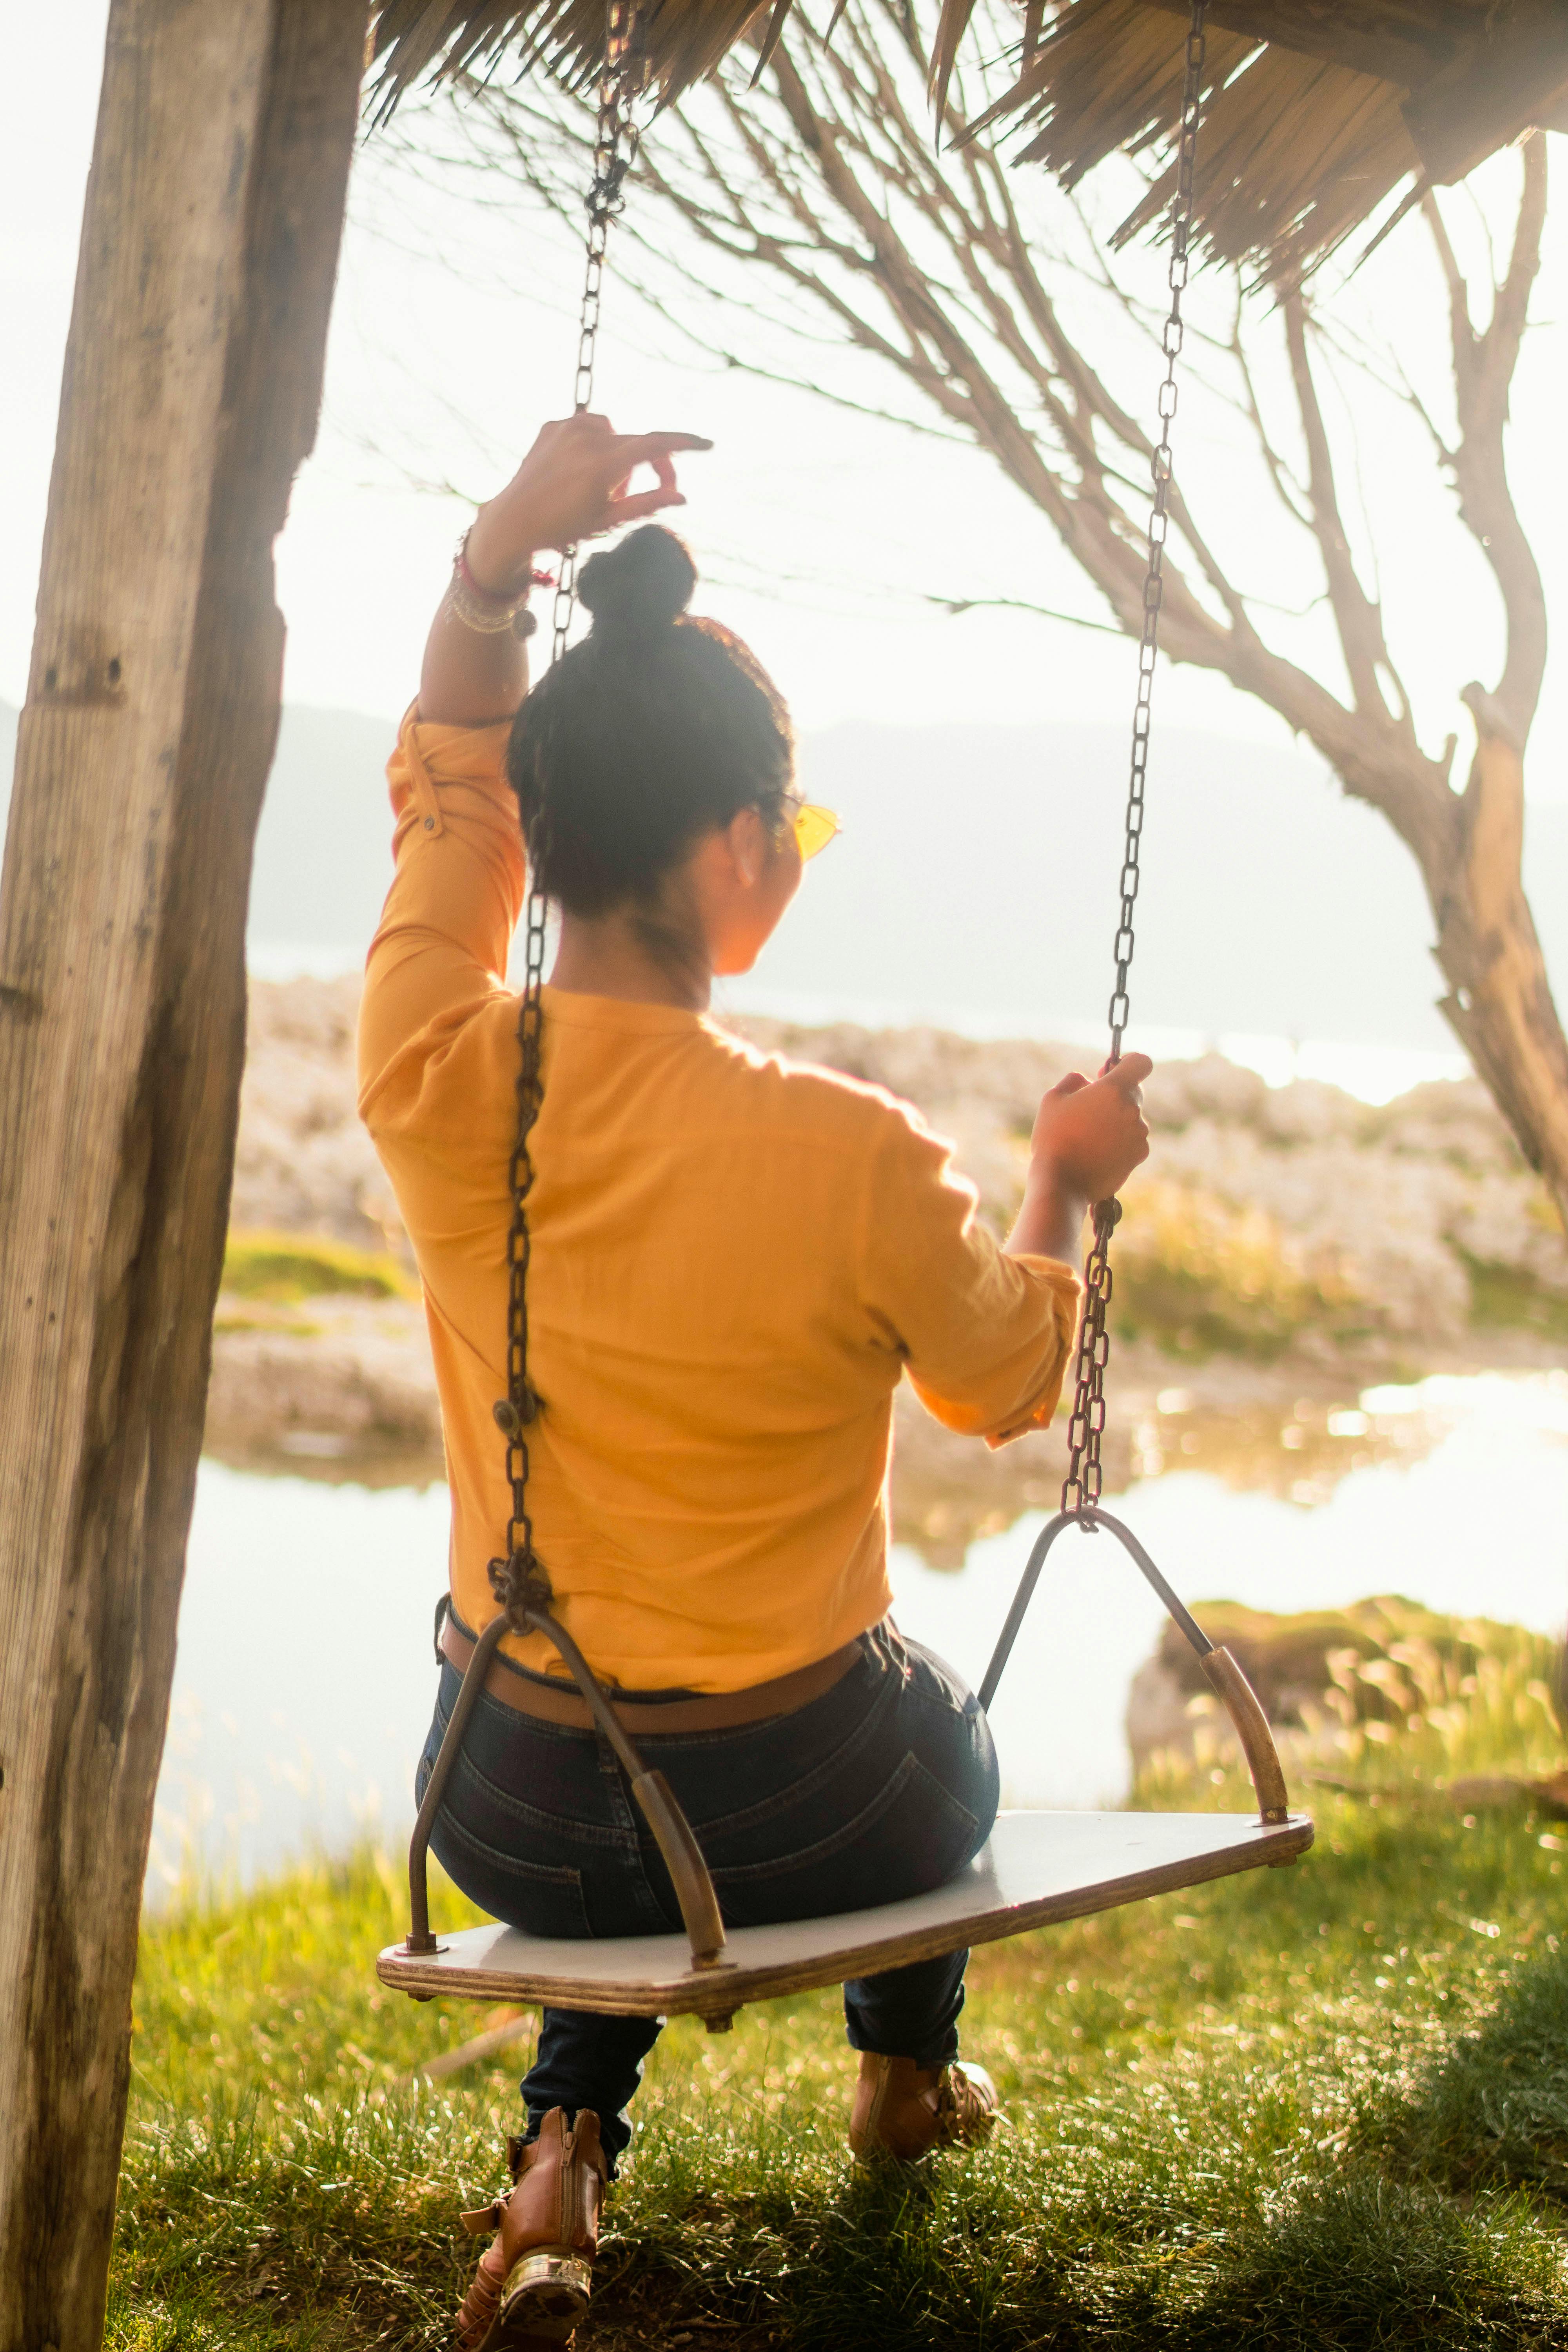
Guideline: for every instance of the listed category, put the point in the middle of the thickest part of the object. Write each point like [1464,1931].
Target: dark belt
[703,1711]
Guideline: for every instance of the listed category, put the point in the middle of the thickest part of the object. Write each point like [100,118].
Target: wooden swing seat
[1037,1869]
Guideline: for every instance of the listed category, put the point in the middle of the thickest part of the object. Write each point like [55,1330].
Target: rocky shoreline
[1286,1249]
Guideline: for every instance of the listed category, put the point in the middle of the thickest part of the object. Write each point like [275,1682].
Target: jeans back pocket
[541,1898]
[910,1838]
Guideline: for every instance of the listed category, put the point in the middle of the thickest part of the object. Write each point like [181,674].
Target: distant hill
[978,875]
[976,880]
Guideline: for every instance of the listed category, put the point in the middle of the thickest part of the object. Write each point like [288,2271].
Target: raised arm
[572,486]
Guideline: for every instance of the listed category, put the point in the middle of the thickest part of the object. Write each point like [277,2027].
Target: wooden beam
[1474,78]
[192,387]
[1404,42]
[1514,76]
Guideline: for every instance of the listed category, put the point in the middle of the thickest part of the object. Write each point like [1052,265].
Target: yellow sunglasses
[813,828]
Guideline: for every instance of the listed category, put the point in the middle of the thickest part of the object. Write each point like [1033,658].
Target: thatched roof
[1315,111]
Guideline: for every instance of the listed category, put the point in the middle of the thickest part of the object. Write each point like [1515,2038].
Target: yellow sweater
[735,1260]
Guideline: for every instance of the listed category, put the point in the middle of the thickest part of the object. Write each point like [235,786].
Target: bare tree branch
[820,206]
[956,606]
[1484,368]
[1356,618]
[1292,496]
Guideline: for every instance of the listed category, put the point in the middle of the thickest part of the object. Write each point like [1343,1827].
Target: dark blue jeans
[880,1788]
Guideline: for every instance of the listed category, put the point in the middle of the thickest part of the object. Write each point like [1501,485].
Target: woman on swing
[735,1262]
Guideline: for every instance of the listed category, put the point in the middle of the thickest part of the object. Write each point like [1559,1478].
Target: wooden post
[192,387]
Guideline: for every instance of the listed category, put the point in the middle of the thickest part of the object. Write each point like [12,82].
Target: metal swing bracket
[672,1832]
[1226,1677]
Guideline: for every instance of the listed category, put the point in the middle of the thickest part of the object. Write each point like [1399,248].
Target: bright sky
[452,337]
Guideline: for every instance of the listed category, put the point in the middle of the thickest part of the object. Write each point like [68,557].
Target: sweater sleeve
[435,974]
[985,1337]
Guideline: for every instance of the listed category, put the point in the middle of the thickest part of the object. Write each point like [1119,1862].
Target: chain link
[616,143]
[519,1579]
[1081,1488]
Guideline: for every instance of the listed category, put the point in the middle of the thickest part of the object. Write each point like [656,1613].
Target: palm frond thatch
[1315,111]
[1295,152]
[686,39]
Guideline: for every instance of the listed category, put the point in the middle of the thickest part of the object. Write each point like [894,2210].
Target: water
[305,1675]
[1374,1074]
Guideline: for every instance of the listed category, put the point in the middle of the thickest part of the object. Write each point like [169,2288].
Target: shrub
[1202,1278]
[280,1269]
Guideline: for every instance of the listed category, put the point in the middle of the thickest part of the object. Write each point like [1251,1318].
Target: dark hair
[652,731]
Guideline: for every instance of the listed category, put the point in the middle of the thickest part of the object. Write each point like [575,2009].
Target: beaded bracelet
[481,609]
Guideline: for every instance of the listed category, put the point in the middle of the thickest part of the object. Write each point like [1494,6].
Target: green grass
[1507,1299]
[282,1269]
[1201,1277]
[1319,2106]
[1413,1700]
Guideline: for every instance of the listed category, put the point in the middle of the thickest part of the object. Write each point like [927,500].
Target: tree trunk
[1501,1007]
[192,387]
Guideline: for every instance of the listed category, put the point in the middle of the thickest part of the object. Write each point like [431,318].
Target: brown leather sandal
[533,2282]
[904,2111]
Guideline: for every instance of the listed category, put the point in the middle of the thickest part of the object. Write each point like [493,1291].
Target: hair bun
[641,586]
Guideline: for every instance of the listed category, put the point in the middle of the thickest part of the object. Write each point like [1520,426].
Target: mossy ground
[1505,1298]
[282,1269]
[1196,1278]
[1319,2106]
[1200,1279]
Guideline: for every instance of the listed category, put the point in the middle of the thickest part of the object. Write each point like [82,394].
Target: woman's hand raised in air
[572,485]
[1088,1137]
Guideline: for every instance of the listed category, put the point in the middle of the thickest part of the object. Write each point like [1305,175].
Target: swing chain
[616,141]
[1086,1428]
[1159,519]
[519,1579]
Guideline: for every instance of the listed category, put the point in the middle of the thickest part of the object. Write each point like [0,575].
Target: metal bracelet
[487,618]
